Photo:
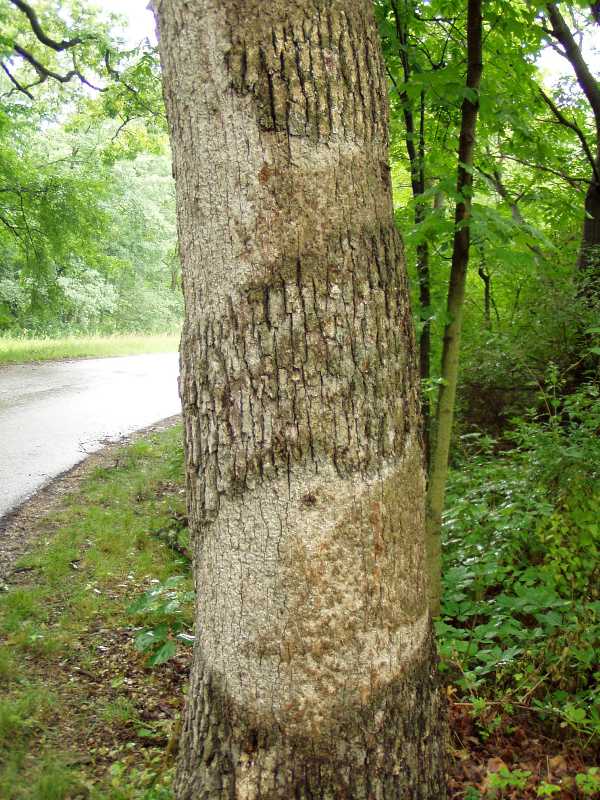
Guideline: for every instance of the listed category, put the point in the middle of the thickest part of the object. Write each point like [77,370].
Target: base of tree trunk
[392,747]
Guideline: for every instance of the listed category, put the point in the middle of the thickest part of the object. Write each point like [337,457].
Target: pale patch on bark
[316,605]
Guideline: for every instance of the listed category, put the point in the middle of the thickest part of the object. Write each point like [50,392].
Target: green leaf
[150,638]
[164,653]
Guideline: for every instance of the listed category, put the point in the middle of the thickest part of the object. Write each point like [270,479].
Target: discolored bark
[314,669]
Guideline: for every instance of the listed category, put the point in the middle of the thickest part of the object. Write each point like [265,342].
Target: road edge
[18,530]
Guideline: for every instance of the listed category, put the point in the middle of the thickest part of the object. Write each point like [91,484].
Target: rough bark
[314,673]
[438,473]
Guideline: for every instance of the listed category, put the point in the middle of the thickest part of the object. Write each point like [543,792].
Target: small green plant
[55,781]
[121,711]
[7,666]
[150,782]
[23,712]
[507,779]
[547,789]
[588,782]
[486,721]
[168,607]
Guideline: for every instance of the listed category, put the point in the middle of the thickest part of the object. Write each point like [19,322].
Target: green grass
[64,736]
[20,350]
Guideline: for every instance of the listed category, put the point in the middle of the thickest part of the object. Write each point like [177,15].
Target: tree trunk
[314,672]
[416,158]
[487,293]
[589,259]
[438,472]
[589,256]
[588,365]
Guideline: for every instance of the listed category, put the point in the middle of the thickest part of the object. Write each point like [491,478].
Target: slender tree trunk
[487,293]
[438,472]
[424,278]
[588,365]
[415,148]
[314,672]
[589,256]
[425,343]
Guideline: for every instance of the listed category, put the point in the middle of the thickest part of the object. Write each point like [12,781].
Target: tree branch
[12,228]
[15,82]
[65,44]
[587,82]
[116,76]
[572,181]
[44,73]
[495,179]
[575,128]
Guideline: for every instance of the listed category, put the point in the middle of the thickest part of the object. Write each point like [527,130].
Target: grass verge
[82,715]
[17,350]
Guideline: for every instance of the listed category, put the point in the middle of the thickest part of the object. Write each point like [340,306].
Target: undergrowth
[81,715]
[520,626]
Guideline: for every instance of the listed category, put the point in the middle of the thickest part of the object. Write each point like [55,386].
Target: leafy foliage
[87,230]
[525,304]
[521,611]
[87,247]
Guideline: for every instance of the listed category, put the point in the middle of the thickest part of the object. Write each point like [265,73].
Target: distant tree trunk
[487,292]
[589,253]
[415,149]
[438,472]
[589,257]
[313,672]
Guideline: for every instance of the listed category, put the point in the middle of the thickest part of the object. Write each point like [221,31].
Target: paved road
[52,415]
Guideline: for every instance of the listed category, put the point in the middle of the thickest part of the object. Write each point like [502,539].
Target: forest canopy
[87,229]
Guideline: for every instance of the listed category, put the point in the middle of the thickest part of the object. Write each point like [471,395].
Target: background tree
[87,230]
[313,671]
[456,300]
[529,168]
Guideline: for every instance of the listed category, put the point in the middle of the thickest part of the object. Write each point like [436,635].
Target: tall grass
[15,350]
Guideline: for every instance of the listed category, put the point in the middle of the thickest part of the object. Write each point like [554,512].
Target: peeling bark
[314,670]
